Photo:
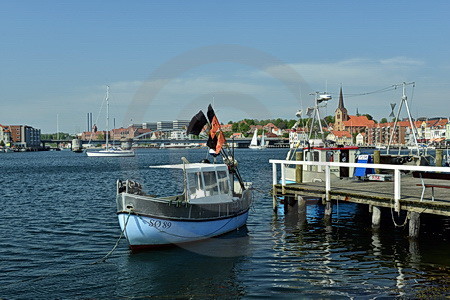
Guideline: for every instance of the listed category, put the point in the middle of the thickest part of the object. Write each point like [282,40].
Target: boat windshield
[213,183]
[223,182]
[211,187]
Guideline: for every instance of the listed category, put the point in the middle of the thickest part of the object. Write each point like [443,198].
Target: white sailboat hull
[111,153]
[142,231]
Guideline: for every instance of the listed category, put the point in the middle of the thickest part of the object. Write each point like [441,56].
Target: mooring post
[327,182]
[328,212]
[283,179]
[301,210]
[414,224]
[376,159]
[299,168]
[439,155]
[397,190]
[376,217]
[274,183]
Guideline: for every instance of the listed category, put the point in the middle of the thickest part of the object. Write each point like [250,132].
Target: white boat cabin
[205,183]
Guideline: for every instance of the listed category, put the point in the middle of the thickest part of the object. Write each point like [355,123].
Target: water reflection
[198,270]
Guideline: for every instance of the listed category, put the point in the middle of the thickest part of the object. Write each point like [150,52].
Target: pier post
[274,182]
[376,159]
[299,168]
[283,179]
[397,190]
[376,217]
[414,224]
[328,212]
[301,210]
[439,154]
[327,182]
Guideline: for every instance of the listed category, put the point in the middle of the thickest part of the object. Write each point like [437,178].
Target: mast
[107,117]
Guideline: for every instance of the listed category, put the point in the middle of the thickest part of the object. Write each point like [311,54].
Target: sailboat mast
[107,117]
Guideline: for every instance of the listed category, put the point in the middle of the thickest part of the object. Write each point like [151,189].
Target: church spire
[341,99]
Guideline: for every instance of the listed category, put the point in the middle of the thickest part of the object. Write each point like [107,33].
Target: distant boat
[254,142]
[110,151]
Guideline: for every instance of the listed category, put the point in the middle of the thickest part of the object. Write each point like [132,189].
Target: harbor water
[58,220]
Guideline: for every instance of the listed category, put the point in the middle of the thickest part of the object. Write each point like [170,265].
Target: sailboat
[254,142]
[110,151]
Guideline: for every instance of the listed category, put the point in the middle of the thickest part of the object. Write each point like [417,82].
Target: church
[345,122]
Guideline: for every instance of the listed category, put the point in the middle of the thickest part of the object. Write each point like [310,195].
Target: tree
[368,116]
[384,120]
[329,119]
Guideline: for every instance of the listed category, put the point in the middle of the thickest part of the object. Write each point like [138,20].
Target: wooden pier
[404,193]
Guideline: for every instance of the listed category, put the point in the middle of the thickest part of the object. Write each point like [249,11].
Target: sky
[166,60]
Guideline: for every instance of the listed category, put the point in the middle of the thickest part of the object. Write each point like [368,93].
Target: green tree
[383,120]
[368,116]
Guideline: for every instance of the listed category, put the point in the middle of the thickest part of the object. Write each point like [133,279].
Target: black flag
[197,123]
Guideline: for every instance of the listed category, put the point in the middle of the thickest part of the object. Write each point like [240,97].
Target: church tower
[340,114]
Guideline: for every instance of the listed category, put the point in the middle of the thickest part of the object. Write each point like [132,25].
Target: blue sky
[165,60]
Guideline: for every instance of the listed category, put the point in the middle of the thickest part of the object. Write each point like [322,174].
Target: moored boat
[209,207]
[212,202]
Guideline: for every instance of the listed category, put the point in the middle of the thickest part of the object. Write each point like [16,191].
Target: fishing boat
[254,141]
[212,202]
[110,151]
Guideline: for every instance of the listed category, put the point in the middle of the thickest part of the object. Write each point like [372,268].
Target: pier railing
[396,168]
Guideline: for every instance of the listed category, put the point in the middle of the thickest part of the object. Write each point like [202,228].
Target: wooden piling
[301,210]
[414,224]
[376,217]
[439,155]
[299,168]
[328,212]
[376,159]
[274,201]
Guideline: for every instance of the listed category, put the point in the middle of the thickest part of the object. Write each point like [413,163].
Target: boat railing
[327,166]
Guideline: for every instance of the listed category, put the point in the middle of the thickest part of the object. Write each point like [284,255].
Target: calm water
[58,218]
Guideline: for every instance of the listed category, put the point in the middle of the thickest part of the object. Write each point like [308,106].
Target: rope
[117,243]
[393,219]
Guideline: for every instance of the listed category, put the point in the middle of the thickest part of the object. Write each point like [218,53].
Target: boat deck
[377,193]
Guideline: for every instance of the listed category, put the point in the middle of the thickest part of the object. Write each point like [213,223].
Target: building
[164,125]
[340,137]
[5,136]
[180,124]
[360,139]
[178,135]
[341,114]
[150,125]
[26,137]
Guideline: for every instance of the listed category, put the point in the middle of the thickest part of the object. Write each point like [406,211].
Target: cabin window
[211,187]
[195,185]
[316,156]
[223,182]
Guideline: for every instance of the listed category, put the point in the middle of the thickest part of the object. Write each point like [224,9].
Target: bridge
[239,143]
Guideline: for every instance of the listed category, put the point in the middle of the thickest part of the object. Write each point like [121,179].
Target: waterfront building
[180,124]
[360,139]
[340,137]
[150,125]
[25,137]
[5,136]
[178,135]
[164,125]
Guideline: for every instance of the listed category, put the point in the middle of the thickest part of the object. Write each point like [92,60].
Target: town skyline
[166,59]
